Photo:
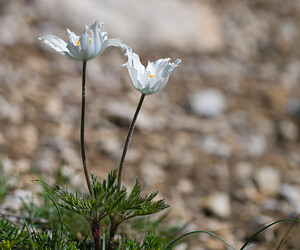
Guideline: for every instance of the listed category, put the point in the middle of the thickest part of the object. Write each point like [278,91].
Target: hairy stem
[82,146]
[115,223]
[130,131]
[96,233]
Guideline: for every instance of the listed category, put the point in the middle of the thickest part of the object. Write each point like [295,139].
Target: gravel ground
[220,142]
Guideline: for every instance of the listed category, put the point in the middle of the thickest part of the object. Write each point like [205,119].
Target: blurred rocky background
[220,142]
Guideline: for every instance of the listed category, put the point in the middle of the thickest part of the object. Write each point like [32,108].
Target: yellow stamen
[78,43]
[90,40]
[151,76]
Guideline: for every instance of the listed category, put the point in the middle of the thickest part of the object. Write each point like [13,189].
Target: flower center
[151,76]
[78,43]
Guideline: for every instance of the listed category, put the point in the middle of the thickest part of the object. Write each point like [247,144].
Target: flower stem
[96,233]
[82,147]
[130,131]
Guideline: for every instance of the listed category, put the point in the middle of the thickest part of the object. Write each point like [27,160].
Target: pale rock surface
[153,175]
[142,23]
[292,194]
[181,246]
[125,112]
[268,180]
[218,204]
[208,103]
[244,170]
[214,146]
[185,186]
[14,202]
[289,130]
[254,144]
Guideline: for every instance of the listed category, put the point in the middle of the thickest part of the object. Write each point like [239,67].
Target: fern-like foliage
[10,233]
[74,202]
[124,205]
[27,237]
[151,242]
[110,200]
[138,205]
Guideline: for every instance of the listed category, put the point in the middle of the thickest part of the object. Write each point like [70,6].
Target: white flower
[84,47]
[151,79]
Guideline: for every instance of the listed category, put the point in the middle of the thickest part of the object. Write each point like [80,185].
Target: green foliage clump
[27,237]
[110,200]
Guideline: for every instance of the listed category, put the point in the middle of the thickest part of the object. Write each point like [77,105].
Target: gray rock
[185,186]
[214,146]
[208,103]
[244,170]
[291,193]
[124,113]
[14,202]
[181,246]
[268,180]
[255,145]
[142,23]
[153,175]
[289,130]
[273,205]
[293,107]
[7,165]
[218,204]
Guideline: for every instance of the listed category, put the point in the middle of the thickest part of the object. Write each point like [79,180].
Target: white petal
[163,82]
[145,78]
[116,42]
[160,65]
[150,68]
[133,75]
[141,77]
[134,61]
[56,43]
[154,84]
[74,51]
[73,37]
[73,46]
[84,45]
[170,67]
[95,45]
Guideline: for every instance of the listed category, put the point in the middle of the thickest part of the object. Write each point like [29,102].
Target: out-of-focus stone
[254,144]
[181,246]
[276,206]
[14,202]
[22,165]
[109,141]
[153,175]
[185,186]
[214,146]
[19,28]
[261,221]
[7,165]
[289,130]
[293,107]
[208,103]
[244,170]
[53,106]
[219,171]
[123,113]
[291,193]
[218,204]
[30,136]
[268,180]
[134,21]
[10,110]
